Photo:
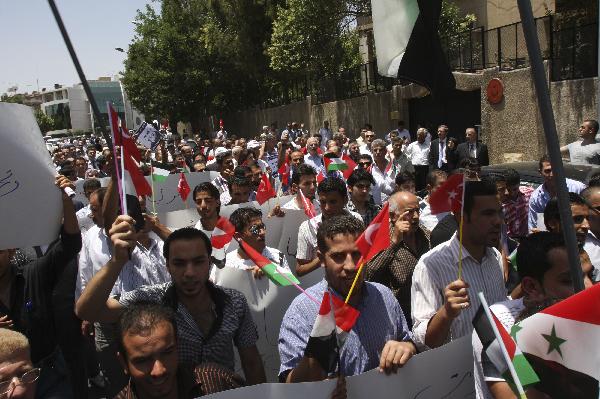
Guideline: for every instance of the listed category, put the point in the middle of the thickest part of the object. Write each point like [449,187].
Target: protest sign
[445,372]
[30,203]
[148,136]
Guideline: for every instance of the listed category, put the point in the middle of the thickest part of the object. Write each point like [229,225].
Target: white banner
[30,203]
[445,372]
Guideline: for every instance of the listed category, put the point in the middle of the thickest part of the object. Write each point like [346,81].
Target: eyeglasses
[256,229]
[29,377]
[364,164]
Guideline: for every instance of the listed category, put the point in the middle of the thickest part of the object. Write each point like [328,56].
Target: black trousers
[421,176]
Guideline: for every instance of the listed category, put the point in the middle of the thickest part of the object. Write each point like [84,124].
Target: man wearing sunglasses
[18,377]
[250,228]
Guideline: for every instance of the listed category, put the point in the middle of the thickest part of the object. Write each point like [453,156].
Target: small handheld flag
[265,190]
[276,273]
[183,187]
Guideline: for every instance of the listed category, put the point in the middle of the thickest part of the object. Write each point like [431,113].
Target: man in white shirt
[312,157]
[444,300]
[401,133]
[418,152]
[333,197]
[250,228]
[586,150]
[427,220]
[592,240]
[304,182]
[366,147]
[381,168]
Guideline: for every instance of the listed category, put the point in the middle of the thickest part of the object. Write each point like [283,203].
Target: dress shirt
[418,153]
[472,150]
[516,211]
[441,153]
[380,320]
[384,184]
[438,268]
[540,197]
[293,205]
[428,220]
[592,247]
[370,212]
[234,260]
[315,161]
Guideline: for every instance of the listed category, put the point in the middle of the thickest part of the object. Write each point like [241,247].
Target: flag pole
[460,229]
[152,187]
[511,366]
[115,160]
[360,267]
[541,88]
[121,183]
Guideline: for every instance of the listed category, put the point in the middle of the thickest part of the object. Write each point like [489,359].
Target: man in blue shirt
[545,192]
[380,328]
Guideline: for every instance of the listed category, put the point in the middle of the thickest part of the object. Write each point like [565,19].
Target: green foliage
[452,21]
[44,121]
[15,99]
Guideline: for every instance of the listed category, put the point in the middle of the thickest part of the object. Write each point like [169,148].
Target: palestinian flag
[404,30]
[330,331]
[222,234]
[561,344]
[493,349]
[332,164]
[276,273]
[159,175]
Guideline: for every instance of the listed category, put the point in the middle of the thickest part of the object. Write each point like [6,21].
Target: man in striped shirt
[516,204]
[444,301]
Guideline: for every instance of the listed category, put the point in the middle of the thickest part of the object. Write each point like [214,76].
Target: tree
[15,99]
[44,121]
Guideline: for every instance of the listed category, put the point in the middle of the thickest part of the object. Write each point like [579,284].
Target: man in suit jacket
[437,150]
[473,148]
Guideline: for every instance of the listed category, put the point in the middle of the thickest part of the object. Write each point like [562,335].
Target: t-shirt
[588,153]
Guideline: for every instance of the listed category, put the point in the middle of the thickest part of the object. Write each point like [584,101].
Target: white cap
[220,150]
[252,144]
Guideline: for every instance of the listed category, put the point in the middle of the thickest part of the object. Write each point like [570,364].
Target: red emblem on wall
[495,91]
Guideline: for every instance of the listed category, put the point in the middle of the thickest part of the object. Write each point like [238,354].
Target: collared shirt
[394,268]
[203,380]
[516,211]
[384,184]
[380,320]
[400,164]
[84,219]
[426,218]
[233,323]
[234,260]
[540,197]
[307,237]
[584,153]
[293,205]
[315,161]
[441,153]
[592,247]
[370,213]
[146,266]
[438,268]
[31,295]
[418,153]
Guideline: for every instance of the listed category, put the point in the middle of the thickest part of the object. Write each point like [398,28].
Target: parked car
[530,175]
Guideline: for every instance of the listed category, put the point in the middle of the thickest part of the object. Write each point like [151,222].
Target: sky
[33,49]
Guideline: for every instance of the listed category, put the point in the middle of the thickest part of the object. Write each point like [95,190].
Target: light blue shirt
[380,320]
[540,197]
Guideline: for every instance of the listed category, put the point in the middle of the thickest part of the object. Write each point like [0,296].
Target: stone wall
[512,129]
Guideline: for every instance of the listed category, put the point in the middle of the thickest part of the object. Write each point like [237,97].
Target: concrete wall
[494,13]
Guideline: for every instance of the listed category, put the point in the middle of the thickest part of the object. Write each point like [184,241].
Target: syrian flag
[159,175]
[276,273]
[404,30]
[222,234]
[265,190]
[334,164]
[130,153]
[561,343]
[449,196]
[183,187]
[493,350]
[376,236]
[329,331]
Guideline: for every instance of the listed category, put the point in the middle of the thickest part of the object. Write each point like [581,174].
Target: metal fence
[572,52]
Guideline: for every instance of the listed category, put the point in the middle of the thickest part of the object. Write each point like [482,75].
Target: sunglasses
[364,164]
[257,228]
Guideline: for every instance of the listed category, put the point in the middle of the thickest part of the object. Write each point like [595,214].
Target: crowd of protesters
[127,307]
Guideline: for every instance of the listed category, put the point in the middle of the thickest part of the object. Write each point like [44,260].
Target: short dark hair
[469,163]
[532,254]
[404,177]
[366,156]
[221,157]
[240,218]
[91,184]
[494,177]
[512,177]
[241,170]
[140,318]
[239,181]
[187,234]
[333,185]
[476,188]
[544,158]
[551,211]
[101,192]
[594,124]
[434,175]
[207,187]
[302,170]
[342,224]
[360,174]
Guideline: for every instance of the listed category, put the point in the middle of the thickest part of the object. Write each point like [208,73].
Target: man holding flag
[378,338]
[447,278]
